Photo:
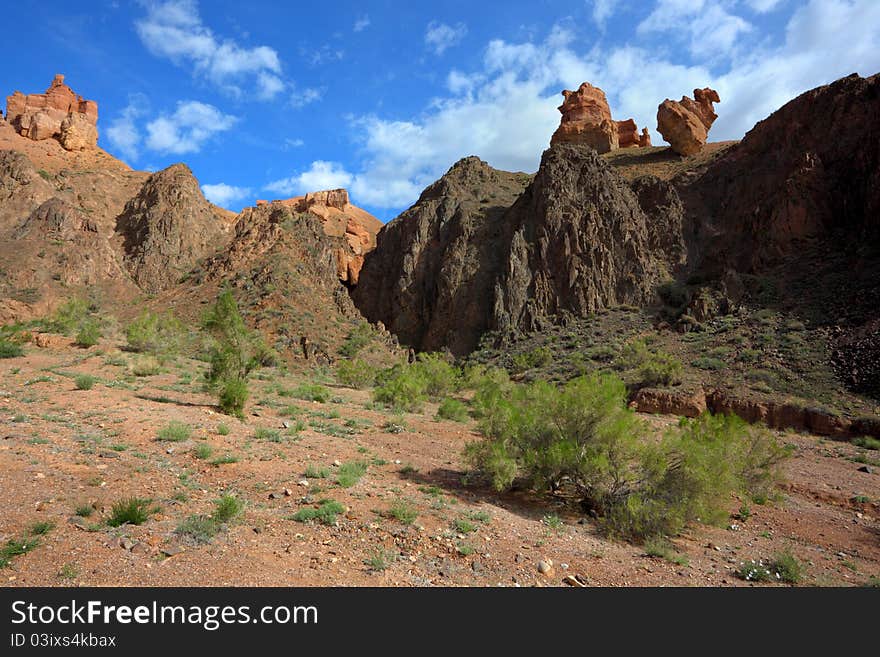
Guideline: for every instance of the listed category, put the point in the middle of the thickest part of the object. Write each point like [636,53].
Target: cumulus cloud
[763,6]
[123,133]
[225,195]
[305,97]
[505,112]
[602,11]
[361,24]
[173,29]
[707,26]
[439,37]
[319,176]
[186,129]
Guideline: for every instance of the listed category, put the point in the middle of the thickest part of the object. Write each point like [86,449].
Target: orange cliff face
[357,227]
[59,113]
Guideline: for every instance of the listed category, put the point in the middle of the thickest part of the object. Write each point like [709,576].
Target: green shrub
[233,396]
[403,511]
[146,366]
[400,388]
[867,442]
[784,567]
[312,392]
[652,367]
[69,316]
[325,513]
[356,373]
[584,436]
[452,409]
[350,473]
[708,363]
[10,349]
[160,335]
[174,432]
[200,529]
[313,472]
[203,451]
[439,376]
[539,357]
[84,382]
[131,511]
[226,509]
[235,352]
[358,338]
[222,429]
[89,333]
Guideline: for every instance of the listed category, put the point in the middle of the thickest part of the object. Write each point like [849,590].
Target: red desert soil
[63,448]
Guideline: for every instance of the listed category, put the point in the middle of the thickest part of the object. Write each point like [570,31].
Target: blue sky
[270,100]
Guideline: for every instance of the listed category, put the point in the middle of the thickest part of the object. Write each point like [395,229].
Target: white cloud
[292,143]
[711,31]
[224,195]
[361,24]
[187,129]
[123,133]
[306,96]
[173,29]
[319,176]
[763,6]
[440,36]
[602,11]
[506,111]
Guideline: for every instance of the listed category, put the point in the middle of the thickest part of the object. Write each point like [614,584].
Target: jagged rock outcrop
[431,278]
[628,135]
[581,242]
[340,219]
[59,113]
[467,258]
[167,227]
[685,124]
[586,119]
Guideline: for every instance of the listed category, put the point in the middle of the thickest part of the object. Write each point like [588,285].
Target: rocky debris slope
[340,218]
[431,278]
[582,241]
[685,123]
[59,113]
[466,258]
[167,227]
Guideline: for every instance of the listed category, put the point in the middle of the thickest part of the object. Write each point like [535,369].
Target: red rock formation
[341,219]
[644,138]
[627,133]
[58,113]
[685,124]
[586,119]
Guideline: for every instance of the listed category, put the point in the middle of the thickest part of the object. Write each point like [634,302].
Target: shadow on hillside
[162,399]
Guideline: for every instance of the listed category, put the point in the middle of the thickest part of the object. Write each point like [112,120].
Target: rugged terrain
[753,266]
[68,455]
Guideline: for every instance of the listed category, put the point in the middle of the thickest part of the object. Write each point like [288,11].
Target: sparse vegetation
[131,511]
[9,349]
[174,432]
[403,511]
[161,335]
[89,333]
[783,567]
[452,409]
[582,435]
[358,338]
[405,387]
[84,382]
[312,392]
[350,473]
[325,513]
[234,353]
[651,367]
[356,373]
[200,529]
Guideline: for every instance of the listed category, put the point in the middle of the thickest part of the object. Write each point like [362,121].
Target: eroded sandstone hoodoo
[57,114]
[586,119]
[685,123]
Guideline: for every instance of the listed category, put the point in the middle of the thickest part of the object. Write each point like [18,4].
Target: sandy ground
[63,448]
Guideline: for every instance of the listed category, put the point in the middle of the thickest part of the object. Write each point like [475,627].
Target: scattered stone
[545,567]
[126,543]
[866,468]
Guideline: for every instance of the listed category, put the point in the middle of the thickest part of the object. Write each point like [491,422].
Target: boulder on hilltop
[586,119]
[58,113]
[685,123]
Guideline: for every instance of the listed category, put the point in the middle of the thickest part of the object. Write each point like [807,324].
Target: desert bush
[356,373]
[9,349]
[235,353]
[68,317]
[452,409]
[88,334]
[163,335]
[405,387]
[131,511]
[539,357]
[358,338]
[84,382]
[325,513]
[652,367]
[708,363]
[783,567]
[174,432]
[583,435]
[312,392]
